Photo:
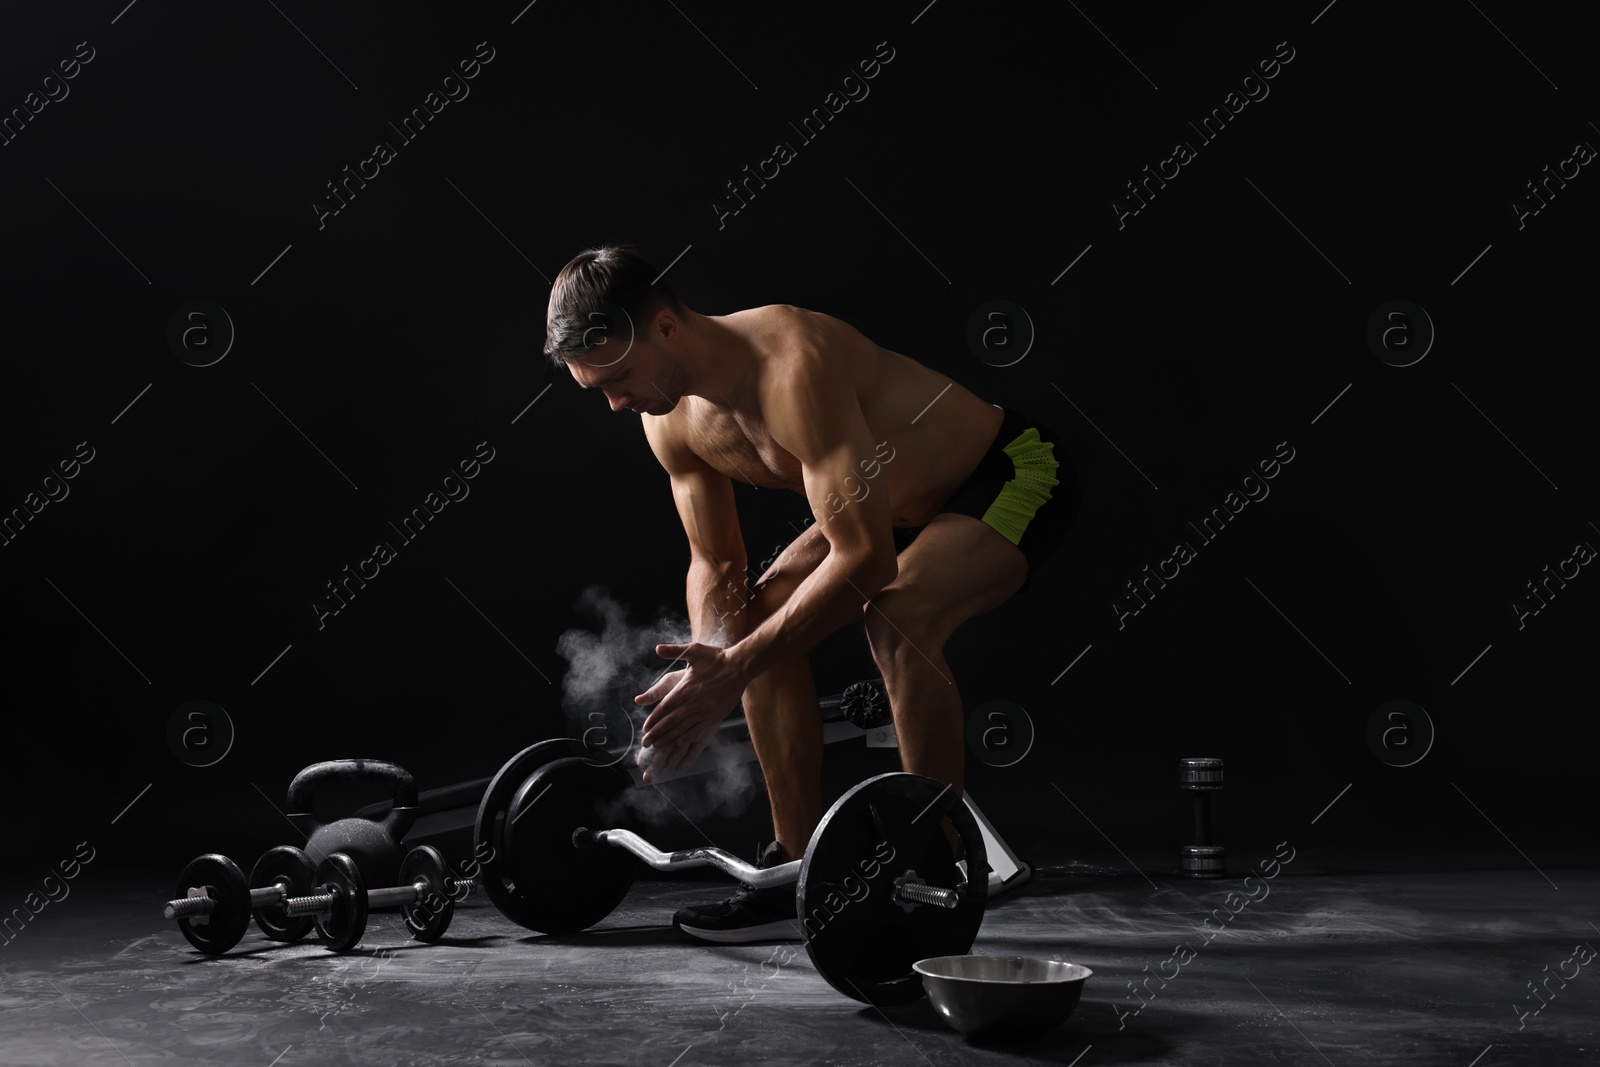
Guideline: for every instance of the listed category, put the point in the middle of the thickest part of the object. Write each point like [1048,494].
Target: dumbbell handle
[403,894]
[198,903]
[320,903]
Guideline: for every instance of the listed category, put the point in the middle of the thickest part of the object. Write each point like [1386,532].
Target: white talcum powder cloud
[606,669]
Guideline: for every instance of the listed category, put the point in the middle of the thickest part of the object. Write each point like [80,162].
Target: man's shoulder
[796,340]
[772,311]
[812,375]
[669,440]
[789,323]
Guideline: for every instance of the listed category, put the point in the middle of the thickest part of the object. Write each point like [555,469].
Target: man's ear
[664,325]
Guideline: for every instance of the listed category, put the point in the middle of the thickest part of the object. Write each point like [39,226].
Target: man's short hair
[588,294]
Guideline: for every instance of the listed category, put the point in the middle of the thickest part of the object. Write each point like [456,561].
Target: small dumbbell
[217,904]
[1201,778]
[340,907]
[279,874]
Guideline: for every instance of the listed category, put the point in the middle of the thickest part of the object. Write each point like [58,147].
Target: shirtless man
[889,453]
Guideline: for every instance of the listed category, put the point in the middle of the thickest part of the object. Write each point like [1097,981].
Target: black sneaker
[748,915]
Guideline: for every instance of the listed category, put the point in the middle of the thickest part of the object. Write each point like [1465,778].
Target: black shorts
[1024,487]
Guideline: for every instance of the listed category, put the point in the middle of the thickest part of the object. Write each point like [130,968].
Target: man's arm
[813,413]
[715,590]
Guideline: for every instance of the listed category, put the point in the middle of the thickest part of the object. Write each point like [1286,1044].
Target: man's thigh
[957,568]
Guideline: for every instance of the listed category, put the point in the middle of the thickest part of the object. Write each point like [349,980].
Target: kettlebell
[374,843]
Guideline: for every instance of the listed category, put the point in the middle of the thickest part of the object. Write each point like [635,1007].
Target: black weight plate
[295,870]
[861,940]
[341,927]
[430,916]
[224,883]
[559,887]
[489,847]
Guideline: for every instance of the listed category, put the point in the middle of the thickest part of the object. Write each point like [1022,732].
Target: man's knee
[897,628]
[779,686]
[769,595]
[781,675]
[798,558]
[772,590]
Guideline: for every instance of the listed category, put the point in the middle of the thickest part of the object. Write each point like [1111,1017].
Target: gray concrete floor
[1420,968]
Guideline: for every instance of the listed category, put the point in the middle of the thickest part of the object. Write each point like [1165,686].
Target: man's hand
[692,704]
[662,763]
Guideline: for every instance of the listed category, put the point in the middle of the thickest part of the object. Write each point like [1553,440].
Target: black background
[1179,350]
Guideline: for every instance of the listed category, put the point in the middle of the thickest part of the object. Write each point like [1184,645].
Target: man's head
[615,328]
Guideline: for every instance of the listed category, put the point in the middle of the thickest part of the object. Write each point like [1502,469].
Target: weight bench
[860,711]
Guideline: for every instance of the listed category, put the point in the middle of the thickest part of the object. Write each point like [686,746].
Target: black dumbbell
[218,903]
[216,907]
[425,896]
[1202,777]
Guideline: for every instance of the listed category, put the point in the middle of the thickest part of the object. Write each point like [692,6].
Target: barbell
[877,890]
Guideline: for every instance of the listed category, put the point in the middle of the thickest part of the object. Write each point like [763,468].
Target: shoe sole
[781,930]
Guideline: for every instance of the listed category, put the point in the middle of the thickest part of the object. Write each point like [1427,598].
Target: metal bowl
[1002,996]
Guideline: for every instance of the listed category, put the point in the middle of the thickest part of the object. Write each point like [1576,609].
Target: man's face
[645,380]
